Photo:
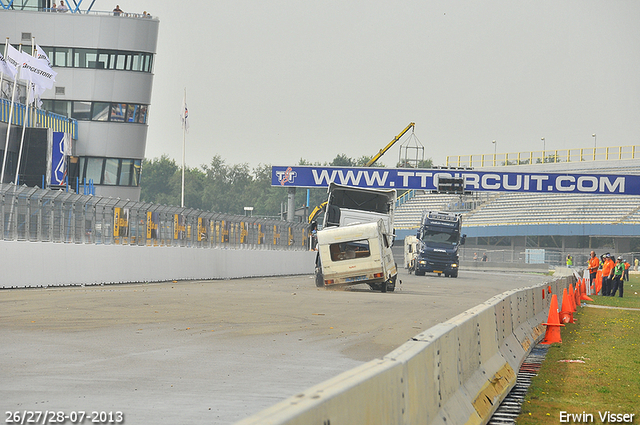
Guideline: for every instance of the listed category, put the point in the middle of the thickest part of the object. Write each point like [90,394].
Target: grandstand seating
[527,209]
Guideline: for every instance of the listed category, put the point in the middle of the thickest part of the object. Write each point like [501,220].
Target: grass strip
[595,372]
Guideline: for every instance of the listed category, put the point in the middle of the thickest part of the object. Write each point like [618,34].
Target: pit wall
[37,264]
[456,372]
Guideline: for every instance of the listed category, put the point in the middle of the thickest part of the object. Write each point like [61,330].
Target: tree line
[226,188]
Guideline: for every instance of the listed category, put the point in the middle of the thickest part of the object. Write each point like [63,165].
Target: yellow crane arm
[391,143]
[317,210]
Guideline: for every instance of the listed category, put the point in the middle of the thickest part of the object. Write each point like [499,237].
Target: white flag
[41,54]
[185,114]
[7,68]
[15,57]
[35,95]
[38,72]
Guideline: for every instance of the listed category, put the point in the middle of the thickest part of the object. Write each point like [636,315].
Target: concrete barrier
[456,372]
[503,267]
[36,264]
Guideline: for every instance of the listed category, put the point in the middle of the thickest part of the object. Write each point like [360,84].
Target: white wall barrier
[456,372]
[35,264]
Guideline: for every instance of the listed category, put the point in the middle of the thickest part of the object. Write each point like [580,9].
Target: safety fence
[37,215]
[545,156]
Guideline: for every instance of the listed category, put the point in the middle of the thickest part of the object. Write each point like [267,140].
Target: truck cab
[439,239]
[355,254]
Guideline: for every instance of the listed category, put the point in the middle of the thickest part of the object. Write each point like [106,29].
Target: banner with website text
[408,178]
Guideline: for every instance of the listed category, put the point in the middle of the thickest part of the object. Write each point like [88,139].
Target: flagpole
[6,143]
[24,127]
[184,139]
[2,74]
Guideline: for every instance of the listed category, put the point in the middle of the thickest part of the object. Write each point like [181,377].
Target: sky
[273,82]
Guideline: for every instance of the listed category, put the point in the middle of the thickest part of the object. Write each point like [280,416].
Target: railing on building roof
[38,118]
[26,5]
[545,157]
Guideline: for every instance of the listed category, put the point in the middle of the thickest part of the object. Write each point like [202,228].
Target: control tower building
[104,61]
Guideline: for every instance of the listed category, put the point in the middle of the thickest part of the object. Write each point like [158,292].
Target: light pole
[494,153]
[594,145]
[544,145]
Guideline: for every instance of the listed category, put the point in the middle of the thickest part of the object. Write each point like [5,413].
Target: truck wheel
[383,287]
[439,274]
[391,286]
[454,274]
[419,273]
[319,279]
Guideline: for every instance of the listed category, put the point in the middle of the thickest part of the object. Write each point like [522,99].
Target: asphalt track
[210,351]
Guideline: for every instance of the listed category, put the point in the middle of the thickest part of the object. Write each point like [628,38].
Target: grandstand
[566,223]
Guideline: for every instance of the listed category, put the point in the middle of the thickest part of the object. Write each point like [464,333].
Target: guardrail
[545,157]
[456,372]
[37,215]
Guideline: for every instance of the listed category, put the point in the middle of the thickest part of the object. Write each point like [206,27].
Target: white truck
[411,249]
[351,217]
[355,254]
[350,205]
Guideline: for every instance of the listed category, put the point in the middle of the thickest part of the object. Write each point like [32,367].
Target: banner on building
[491,181]
[58,159]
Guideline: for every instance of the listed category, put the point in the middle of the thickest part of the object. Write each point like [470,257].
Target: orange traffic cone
[553,324]
[583,293]
[572,299]
[566,312]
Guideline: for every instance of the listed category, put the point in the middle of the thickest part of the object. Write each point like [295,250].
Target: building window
[93,170]
[100,111]
[62,57]
[110,171]
[137,166]
[81,110]
[117,112]
[125,172]
[75,57]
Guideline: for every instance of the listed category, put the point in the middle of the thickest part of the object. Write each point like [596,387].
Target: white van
[359,253]
[410,253]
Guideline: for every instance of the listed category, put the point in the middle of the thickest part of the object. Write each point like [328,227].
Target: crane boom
[391,143]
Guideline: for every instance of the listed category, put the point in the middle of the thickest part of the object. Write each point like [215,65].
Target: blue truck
[439,239]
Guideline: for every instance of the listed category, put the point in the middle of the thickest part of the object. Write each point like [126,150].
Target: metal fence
[33,214]
[604,153]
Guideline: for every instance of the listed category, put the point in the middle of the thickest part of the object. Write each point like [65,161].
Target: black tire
[454,274]
[319,279]
[419,273]
[391,285]
[439,274]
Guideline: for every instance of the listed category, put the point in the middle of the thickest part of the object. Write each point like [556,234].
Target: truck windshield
[437,236]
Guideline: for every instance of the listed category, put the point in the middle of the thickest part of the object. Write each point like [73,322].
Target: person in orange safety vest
[607,268]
